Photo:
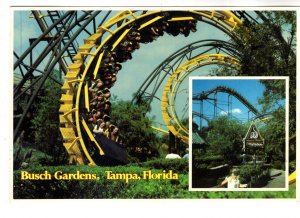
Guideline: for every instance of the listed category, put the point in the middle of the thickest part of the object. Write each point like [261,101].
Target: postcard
[154,103]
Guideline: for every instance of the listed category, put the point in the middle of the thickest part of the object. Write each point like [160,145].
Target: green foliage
[274,129]
[268,49]
[18,156]
[250,173]
[292,166]
[278,165]
[31,157]
[208,161]
[274,134]
[263,48]
[163,148]
[246,172]
[103,188]
[178,165]
[185,122]
[45,122]
[135,129]
[225,138]
[273,94]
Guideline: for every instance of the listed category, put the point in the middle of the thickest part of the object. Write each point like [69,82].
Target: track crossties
[87,88]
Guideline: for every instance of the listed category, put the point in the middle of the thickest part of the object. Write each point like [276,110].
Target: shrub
[177,165]
[277,164]
[107,189]
[292,166]
[208,161]
[248,172]
[30,156]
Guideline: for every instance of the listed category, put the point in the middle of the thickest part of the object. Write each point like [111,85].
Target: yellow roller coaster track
[119,25]
[170,91]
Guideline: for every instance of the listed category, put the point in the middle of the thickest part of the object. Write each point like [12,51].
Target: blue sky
[135,71]
[250,89]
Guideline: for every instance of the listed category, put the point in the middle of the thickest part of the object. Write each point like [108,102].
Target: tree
[267,48]
[274,135]
[263,49]
[225,137]
[273,96]
[273,102]
[45,121]
[134,129]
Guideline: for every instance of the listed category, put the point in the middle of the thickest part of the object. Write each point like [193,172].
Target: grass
[103,188]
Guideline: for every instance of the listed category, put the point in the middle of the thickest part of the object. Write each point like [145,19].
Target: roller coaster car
[114,153]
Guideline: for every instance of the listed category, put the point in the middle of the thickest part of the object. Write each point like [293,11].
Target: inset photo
[238,130]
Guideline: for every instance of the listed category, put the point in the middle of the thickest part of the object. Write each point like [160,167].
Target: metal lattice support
[169,94]
[201,97]
[147,91]
[118,28]
[64,24]
[107,37]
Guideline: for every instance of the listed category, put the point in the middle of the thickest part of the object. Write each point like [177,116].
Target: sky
[144,61]
[135,71]
[275,208]
[25,27]
[250,89]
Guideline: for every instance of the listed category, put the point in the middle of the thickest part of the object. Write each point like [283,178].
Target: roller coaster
[90,70]
[206,95]
[201,97]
